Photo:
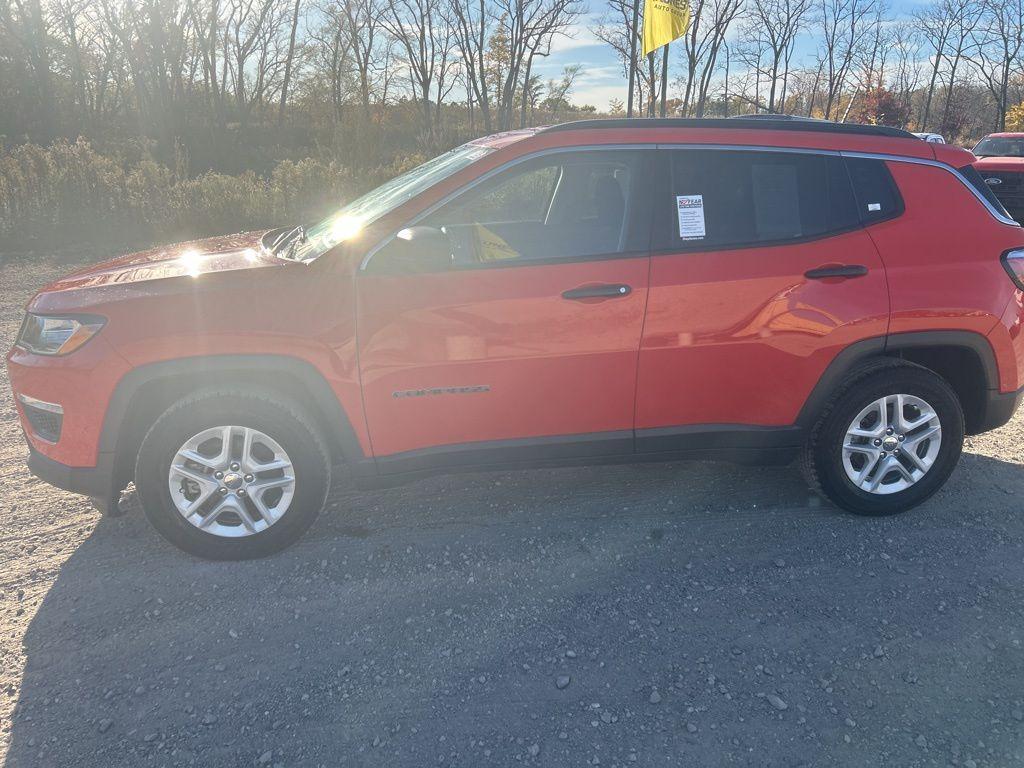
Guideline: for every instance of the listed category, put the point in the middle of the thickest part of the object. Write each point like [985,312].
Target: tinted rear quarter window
[974,178]
[878,197]
[749,198]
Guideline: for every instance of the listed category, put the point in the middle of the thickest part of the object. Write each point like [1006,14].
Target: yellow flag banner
[664,21]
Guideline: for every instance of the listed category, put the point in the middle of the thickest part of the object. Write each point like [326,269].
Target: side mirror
[416,249]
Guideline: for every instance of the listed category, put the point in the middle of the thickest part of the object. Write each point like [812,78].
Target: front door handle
[838,270]
[603,291]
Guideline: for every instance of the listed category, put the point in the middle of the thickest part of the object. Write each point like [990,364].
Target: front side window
[730,199]
[567,205]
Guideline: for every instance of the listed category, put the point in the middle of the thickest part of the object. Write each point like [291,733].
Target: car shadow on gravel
[656,615]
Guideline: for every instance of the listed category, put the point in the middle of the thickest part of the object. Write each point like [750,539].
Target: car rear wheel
[887,440]
[230,475]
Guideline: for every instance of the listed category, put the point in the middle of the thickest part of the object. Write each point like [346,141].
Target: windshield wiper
[288,242]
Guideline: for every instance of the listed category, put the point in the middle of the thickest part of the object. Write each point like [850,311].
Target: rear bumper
[999,409]
[97,482]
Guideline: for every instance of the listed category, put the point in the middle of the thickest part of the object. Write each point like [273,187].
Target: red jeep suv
[611,290]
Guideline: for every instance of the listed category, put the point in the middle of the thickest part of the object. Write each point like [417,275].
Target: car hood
[1009,164]
[191,259]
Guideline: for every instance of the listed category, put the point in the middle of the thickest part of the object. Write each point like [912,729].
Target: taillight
[1013,263]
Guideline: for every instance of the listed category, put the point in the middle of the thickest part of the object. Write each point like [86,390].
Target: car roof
[1005,135]
[789,132]
[755,122]
[503,139]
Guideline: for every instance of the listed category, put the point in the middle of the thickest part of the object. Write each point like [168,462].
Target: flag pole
[632,57]
[664,79]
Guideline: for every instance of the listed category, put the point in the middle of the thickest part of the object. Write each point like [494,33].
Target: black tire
[276,418]
[822,459]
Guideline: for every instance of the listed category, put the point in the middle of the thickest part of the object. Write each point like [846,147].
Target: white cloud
[578,35]
[599,96]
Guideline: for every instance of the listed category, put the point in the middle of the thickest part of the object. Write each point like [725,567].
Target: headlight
[57,335]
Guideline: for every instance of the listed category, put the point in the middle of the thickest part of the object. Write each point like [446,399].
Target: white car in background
[934,138]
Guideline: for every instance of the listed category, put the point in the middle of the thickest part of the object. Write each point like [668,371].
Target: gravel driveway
[679,614]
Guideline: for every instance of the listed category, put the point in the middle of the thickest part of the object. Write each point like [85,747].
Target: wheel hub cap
[231,481]
[891,444]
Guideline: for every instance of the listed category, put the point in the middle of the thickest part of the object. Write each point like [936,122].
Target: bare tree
[946,27]
[363,28]
[331,55]
[527,27]
[558,91]
[771,30]
[843,27]
[995,50]
[472,22]
[289,62]
[425,40]
[27,29]
[709,23]
[615,27]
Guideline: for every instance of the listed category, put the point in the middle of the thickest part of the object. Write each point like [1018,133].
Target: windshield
[347,222]
[1000,147]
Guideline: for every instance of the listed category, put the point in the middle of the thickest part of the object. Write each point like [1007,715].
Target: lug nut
[878,441]
[223,491]
[249,478]
[240,491]
[889,431]
[884,454]
[219,475]
[902,438]
[234,466]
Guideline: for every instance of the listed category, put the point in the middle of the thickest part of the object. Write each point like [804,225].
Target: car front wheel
[230,475]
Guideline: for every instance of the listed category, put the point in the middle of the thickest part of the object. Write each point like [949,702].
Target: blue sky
[602,78]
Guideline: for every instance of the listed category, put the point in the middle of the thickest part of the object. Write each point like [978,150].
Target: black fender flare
[891,345]
[338,427]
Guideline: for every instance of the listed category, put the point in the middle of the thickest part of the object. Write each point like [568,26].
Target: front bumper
[80,385]
[96,482]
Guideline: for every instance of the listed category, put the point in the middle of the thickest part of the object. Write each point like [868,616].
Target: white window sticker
[691,216]
[874,206]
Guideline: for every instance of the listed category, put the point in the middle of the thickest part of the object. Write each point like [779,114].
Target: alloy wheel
[891,444]
[231,481]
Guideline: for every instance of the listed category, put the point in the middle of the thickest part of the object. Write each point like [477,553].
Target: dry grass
[71,194]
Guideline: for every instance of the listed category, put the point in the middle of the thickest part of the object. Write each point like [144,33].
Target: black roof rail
[759,122]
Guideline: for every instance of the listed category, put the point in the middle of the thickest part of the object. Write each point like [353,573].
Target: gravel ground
[656,615]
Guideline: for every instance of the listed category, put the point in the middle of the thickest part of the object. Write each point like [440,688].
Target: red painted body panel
[82,383]
[189,300]
[552,366]
[1005,164]
[957,157]
[742,337]
[944,273]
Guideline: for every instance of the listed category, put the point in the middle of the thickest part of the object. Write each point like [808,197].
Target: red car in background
[611,290]
[1001,165]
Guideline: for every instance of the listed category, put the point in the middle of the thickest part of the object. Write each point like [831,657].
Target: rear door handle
[603,291]
[839,270]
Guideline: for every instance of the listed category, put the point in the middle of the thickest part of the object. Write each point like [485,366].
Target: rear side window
[878,198]
[731,199]
[974,178]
